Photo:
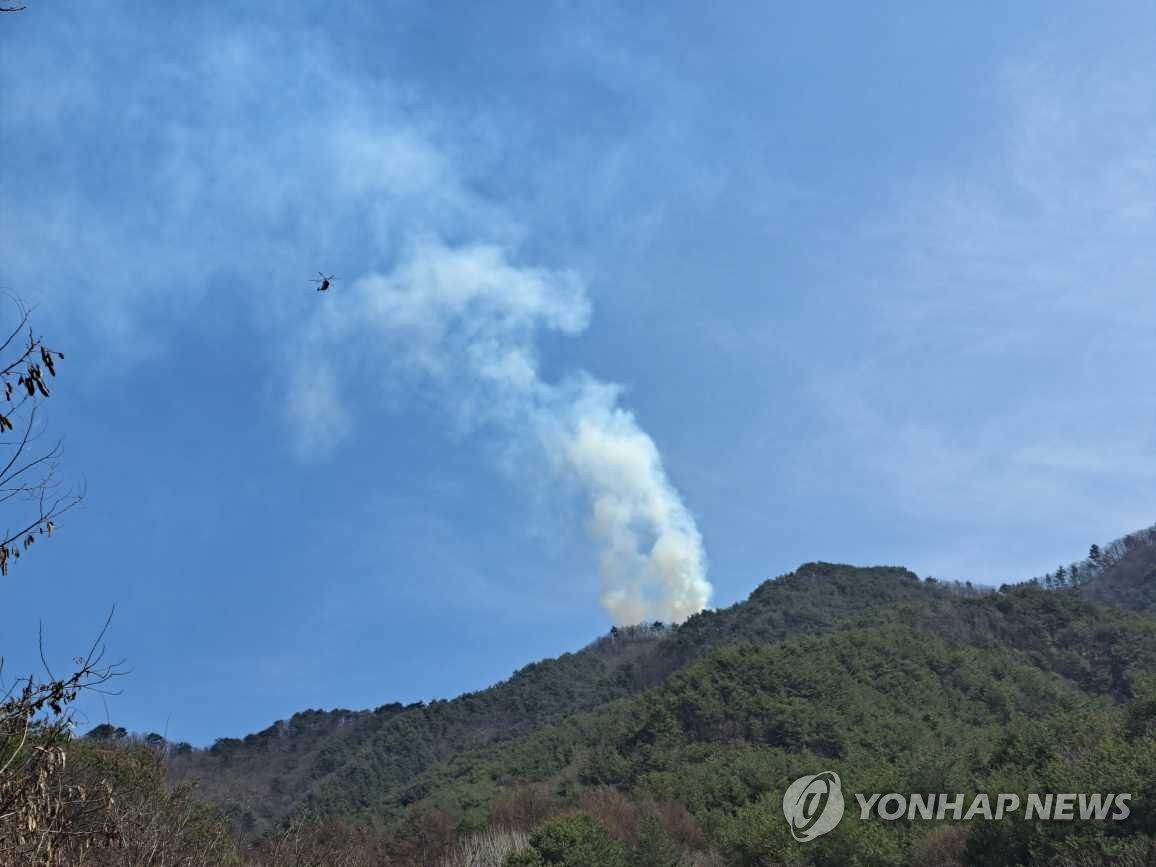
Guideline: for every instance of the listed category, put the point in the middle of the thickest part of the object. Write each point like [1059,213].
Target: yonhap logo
[813,805]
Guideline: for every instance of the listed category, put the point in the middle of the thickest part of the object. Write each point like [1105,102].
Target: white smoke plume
[359,169]
[652,560]
[466,320]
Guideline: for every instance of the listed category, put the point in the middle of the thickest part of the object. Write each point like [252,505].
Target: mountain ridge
[641,708]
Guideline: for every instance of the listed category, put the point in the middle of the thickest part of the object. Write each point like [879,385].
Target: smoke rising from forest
[468,319]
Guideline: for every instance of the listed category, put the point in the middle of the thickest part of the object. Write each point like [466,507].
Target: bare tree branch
[28,475]
[38,805]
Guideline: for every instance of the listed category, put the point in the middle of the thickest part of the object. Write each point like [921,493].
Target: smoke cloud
[652,560]
[466,320]
[283,154]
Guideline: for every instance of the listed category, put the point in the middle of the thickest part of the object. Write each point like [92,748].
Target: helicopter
[324,282]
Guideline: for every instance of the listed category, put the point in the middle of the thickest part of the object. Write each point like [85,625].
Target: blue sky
[875,285]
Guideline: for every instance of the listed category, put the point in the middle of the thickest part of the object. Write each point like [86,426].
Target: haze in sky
[632,305]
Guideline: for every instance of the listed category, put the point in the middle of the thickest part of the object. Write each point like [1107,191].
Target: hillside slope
[1125,574]
[1025,653]
[902,684]
[328,759]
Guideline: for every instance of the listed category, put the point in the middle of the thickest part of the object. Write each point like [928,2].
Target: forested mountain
[1123,574]
[344,761]
[680,740]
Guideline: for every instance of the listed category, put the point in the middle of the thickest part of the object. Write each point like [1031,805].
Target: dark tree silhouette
[31,493]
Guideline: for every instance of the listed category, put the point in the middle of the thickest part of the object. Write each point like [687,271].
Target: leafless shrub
[942,847]
[526,807]
[1136,853]
[155,824]
[680,825]
[321,842]
[40,807]
[488,848]
[613,810]
[702,859]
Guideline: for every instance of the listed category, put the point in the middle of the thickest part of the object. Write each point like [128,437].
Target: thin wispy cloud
[1032,274]
[1053,236]
[277,157]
